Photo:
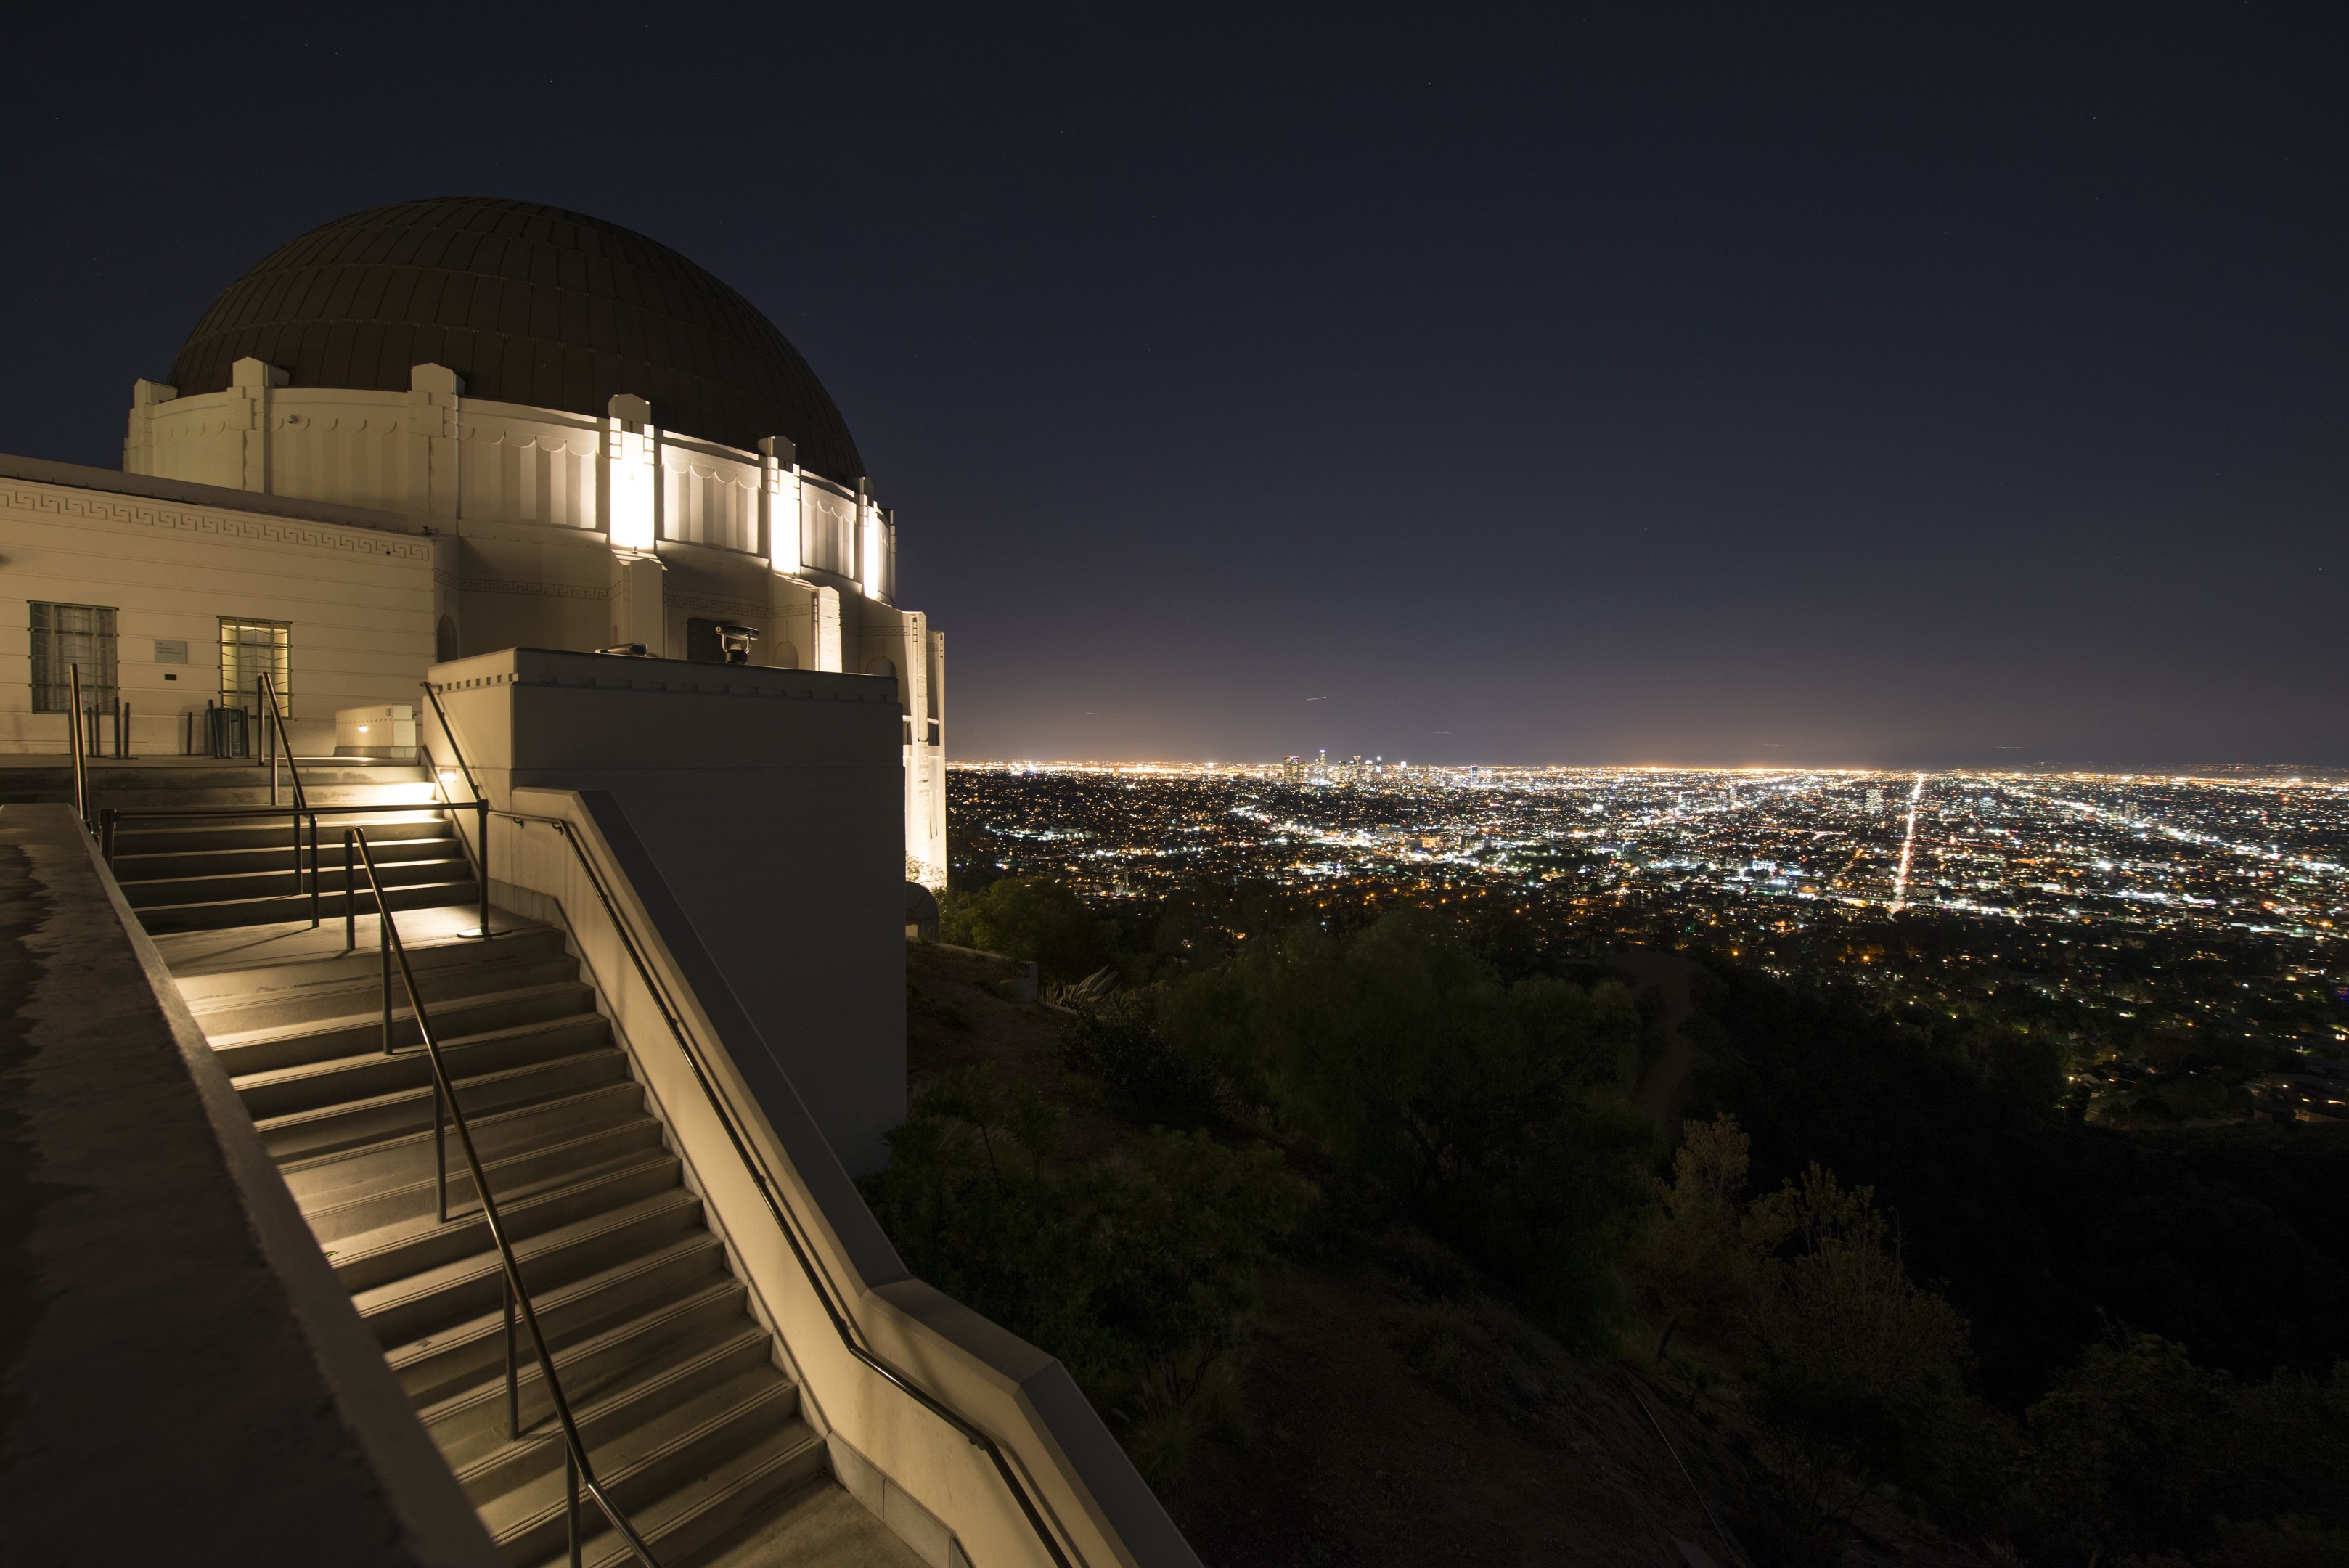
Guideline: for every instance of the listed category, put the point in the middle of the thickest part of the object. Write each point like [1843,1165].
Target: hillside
[1396,1413]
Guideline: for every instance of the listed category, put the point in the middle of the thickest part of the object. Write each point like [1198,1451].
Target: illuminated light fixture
[632,488]
[780,478]
[875,547]
[448,778]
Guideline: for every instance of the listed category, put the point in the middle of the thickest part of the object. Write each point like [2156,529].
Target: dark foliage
[1148,1080]
[1489,1113]
[2138,1450]
[1029,918]
[1133,1271]
[2235,1243]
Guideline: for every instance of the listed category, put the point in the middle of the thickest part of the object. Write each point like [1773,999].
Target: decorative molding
[67,504]
[531,589]
[744,608]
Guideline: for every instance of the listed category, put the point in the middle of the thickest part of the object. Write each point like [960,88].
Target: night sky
[1745,386]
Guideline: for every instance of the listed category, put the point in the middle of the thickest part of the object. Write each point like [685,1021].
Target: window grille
[63,636]
[250,649]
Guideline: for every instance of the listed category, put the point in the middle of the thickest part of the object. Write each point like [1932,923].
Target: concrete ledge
[180,1373]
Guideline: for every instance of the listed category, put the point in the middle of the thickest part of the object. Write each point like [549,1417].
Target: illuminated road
[1908,846]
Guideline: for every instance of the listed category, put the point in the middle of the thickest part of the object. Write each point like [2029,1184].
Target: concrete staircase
[191,872]
[692,1418]
[691,1415]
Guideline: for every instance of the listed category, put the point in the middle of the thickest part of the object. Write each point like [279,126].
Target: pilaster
[138,443]
[434,392]
[251,381]
[824,634]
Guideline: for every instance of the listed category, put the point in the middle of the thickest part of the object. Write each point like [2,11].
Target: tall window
[68,635]
[827,530]
[250,649]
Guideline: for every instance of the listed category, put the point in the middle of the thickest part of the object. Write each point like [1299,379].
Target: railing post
[383,942]
[483,840]
[513,1386]
[571,1500]
[439,1149]
[314,870]
[350,901]
[80,765]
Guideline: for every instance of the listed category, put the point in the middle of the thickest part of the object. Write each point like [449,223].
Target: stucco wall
[359,601]
[771,802]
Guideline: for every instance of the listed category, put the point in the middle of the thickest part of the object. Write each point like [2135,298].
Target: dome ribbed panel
[531,305]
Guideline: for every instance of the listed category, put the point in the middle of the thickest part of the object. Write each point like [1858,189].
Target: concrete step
[143,864]
[218,914]
[357,991]
[416,1249]
[470,1426]
[763,1482]
[233,773]
[462,1356]
[339,1125]
[739,1426]
[467,1289]
[209,965]
[190,834]
[387,1205]
[663,1381]
[334,1181]
[345,1066]
[146,797]
[211,886]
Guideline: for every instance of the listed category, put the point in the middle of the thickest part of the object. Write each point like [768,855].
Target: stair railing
[81,762]
[480,802]
[578,1470]
[272,724]
[109,819]
[779,1207]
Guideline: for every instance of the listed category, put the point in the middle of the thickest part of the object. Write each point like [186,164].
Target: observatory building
[460,784]
[559,434]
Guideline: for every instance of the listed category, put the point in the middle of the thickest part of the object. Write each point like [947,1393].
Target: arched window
[786,657]
[444,640]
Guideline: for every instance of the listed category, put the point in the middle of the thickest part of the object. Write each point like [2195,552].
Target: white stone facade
[514,526]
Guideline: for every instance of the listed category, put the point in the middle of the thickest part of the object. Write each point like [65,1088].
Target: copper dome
[529,304]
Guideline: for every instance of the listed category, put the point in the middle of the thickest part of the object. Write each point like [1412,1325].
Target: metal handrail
[577,1467]
[779,1207]
[456,751]
[272,716]
[80,763]
[273,721]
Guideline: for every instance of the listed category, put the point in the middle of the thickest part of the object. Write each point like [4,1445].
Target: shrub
[1133,1271]
[1491,1115]
[1119,1043]
[1029,917]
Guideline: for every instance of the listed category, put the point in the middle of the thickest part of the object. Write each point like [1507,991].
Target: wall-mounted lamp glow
[779,480]
[632,487]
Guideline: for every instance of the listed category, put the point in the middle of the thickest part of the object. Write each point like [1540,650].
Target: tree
[1491,1115]
[1135,1271]
[1858,1365]
[1029,917]
[1695,1262]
